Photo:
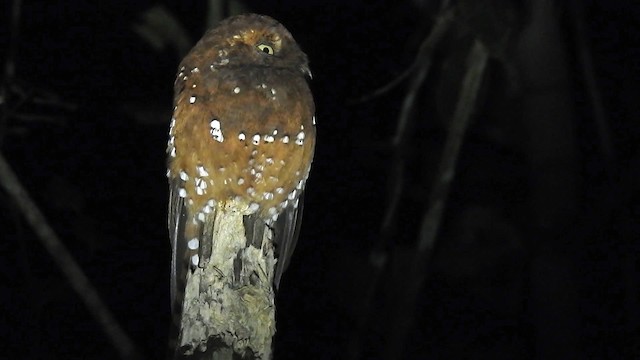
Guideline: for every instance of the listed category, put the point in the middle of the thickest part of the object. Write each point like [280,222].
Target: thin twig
[76,277]
[586,62]
[477,62]
[378,254]
[398,141]
[424,52]
[406,307]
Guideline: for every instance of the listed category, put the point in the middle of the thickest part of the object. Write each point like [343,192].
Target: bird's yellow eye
[265,49]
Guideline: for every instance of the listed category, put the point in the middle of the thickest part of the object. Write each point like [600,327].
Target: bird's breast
[247,136]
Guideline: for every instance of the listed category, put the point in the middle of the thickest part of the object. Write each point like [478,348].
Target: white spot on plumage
[183,175]
[216,130]
[236,90]
[241,136]
[268,195]
[269,161]
[240,181]
[292,195]
[182,192]
[253,207]
[168,173]
[201,217]
[173,152]
[268,138]
[279,190]
[285,139]
[193,244]
[223,59]
[211,202]
[313,120]
[201,183]
[195,260]
[202,171]
[195,70]
[300,138]
[192,100]
[256,139]
[201,186]
[251,191]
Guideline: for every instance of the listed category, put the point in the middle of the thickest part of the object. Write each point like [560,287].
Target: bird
[241,139]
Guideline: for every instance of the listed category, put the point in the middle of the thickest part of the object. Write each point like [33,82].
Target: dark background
[500,284]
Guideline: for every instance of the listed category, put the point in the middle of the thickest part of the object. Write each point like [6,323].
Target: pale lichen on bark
[227,302]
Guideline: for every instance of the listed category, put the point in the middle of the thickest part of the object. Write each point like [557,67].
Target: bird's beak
[307,72]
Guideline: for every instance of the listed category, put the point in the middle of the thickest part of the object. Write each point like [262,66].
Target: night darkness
[536,255]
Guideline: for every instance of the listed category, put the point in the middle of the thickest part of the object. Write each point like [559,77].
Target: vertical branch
[9,68]
[378,256]
[78,280]
[477,62]
[552,150]
[10,63]
[228,310]
[405,309]
[588,72]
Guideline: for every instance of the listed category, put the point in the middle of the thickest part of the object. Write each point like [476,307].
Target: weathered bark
[229,308]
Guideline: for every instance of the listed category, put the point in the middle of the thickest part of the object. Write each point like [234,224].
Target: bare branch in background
[378,256]
[405,308]
[160,28]
[76,277]
[420,62]
[588,72]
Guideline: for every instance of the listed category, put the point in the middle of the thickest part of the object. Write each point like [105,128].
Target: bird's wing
[177,223]
[286,231]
